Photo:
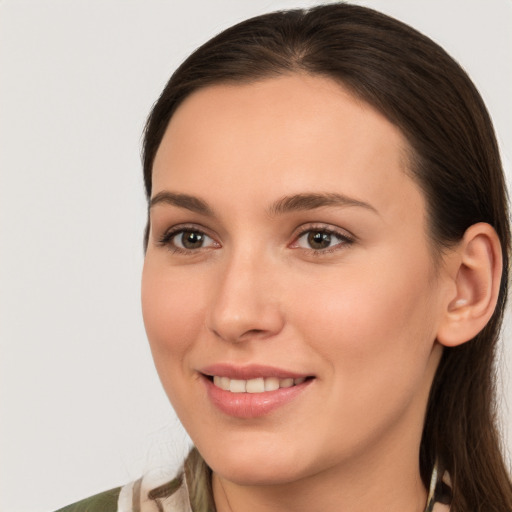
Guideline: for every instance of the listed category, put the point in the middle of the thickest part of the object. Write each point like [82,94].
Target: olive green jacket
[147,494]
[104,502]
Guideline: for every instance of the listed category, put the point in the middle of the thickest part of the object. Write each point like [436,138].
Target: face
[289,291]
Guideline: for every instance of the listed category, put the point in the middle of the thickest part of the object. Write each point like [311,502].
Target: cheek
[375,329]
[375,335]
[172,314]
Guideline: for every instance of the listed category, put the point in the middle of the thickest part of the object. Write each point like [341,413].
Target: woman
[326,271]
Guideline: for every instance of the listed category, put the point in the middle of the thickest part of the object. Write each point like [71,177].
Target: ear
[476,267]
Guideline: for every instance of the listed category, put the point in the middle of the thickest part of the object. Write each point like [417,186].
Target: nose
[245,301]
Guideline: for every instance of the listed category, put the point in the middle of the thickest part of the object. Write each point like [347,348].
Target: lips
[252,391]
[248,372]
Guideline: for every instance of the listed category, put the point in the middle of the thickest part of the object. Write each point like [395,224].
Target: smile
[253,391]
[257,385]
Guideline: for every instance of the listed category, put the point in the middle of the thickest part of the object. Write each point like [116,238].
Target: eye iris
[319,240]
[192,239]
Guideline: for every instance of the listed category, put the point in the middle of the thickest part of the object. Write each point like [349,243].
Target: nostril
[253,332]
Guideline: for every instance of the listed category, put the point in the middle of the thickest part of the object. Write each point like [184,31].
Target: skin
[361,316]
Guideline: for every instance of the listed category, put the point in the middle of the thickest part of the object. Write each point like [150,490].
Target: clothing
[133,497]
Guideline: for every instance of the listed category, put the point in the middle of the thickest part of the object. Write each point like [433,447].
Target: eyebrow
[300,202]
[286,204]
[185,201]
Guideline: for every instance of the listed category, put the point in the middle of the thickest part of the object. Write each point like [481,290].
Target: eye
[191,240]
[321,240]
[187,240]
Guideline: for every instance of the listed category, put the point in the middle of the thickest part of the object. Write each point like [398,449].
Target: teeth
[286,383]
[237,386]
[271,383]
[258,385]
[222,382]
[255,386]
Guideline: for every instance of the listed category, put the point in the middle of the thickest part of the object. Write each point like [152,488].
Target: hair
[454,159]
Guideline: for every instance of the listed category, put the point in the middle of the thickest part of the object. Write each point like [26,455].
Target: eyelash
[344,239]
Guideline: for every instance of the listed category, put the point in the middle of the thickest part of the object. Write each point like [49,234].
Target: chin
[250,464]
[246,473]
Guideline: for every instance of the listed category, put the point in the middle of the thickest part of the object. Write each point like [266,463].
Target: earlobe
[477,279]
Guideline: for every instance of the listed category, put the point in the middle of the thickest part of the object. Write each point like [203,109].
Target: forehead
[298,105]
[299,132]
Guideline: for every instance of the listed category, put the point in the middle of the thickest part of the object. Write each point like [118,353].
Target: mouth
[252,391]
[256,385]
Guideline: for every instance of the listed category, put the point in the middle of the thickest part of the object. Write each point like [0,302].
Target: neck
[392,484]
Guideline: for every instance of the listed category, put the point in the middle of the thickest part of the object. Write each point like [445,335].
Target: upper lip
[251,371]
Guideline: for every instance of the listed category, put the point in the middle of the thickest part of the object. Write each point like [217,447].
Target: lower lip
[252,405]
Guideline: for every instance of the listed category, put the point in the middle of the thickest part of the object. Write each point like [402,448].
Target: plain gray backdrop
[82,409]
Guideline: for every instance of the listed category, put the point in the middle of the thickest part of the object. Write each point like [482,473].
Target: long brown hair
[454,159]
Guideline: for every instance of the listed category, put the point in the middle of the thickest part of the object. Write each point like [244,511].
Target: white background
[81,407]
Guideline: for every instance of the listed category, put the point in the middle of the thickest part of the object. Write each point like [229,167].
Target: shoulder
[150,493]
[103,502]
